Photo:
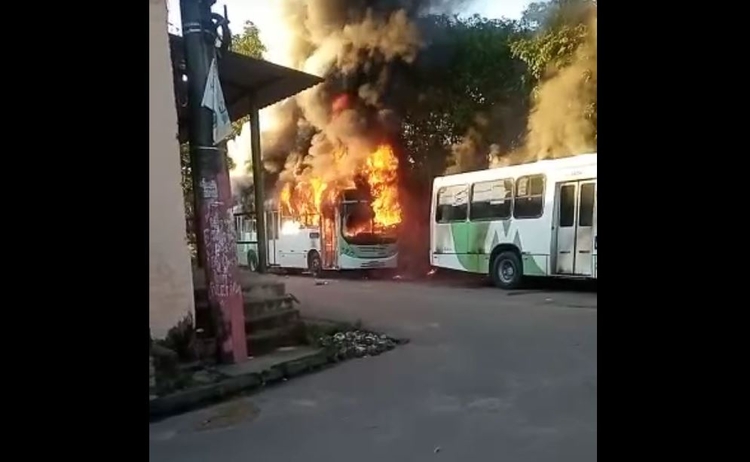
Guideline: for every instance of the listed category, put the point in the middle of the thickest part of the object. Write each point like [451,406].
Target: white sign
[445,197]
[213,98]
[494,193]
[523,185]
[209,188]
[498,193]
[454,196]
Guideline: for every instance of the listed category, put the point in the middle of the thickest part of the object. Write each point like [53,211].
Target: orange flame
[304,200]
[382,176]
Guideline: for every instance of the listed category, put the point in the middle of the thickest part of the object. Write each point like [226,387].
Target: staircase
[271,319]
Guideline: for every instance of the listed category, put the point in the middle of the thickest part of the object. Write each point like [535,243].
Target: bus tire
[252,261]
[506,270]
[314,263]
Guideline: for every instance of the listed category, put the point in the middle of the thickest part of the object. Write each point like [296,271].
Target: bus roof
[540,166]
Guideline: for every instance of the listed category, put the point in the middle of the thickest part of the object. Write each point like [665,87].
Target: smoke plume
[563,119]
[328,131]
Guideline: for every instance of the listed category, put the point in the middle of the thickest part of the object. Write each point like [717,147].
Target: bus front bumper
[347,262]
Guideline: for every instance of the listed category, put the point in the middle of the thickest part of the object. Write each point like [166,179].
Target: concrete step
[201,303]
[264,289]
[271,320]
[267,340]
[257,310]
[259,307]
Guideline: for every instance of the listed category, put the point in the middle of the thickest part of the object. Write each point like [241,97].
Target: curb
[194,398]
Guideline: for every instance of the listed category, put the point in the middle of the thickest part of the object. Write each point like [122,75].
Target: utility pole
[213,195]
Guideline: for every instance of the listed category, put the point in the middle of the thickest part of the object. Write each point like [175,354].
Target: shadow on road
[448,278]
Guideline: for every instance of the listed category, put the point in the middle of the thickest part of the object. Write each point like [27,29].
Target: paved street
[488,375]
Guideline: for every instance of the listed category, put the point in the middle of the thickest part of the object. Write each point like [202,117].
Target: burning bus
[316,225]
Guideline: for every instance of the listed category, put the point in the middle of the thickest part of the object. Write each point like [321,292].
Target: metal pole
[258,189]
[212,188]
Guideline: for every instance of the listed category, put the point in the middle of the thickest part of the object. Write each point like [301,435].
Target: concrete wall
[170,277]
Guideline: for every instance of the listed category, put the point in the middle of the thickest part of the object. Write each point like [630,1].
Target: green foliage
[482,74]
[247,43]
[535,15]
[553,14]
[561,36]
[559,28]
[551,49]
[486,89]
[181,339]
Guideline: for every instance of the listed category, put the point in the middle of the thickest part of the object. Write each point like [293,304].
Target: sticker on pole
[213,98]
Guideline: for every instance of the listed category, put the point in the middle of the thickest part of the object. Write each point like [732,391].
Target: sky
[243,10]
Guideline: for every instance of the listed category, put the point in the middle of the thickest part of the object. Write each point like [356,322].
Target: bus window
[452,204]
[567,205]
[586,214]
[529,198]
[491,200]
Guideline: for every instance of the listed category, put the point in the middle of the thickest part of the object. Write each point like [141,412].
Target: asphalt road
[488,375]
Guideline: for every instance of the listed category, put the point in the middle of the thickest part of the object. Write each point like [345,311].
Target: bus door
[576,228]
[450,232]
[328,244]
[272,235]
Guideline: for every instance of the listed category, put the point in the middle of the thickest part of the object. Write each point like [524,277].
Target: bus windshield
[358,227]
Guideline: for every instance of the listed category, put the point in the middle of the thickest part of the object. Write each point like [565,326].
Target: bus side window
[491,200]
[529,197]
[452,204]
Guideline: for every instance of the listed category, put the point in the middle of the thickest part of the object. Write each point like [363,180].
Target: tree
[552,14]
[551,49]
[559,28]
[465,82]
[561,56]
[481,87]
[247,43]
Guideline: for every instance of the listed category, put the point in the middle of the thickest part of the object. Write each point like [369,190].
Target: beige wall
[170,277]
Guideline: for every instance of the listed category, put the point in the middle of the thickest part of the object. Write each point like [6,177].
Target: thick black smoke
[366,50]
[369,52]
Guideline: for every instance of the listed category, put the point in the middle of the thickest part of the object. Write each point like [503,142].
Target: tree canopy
[248,42]
[478,103]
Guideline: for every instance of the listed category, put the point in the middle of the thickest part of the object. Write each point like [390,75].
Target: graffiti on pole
[220,242]
[209,189]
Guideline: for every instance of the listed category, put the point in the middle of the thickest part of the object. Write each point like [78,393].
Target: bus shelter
[249,85]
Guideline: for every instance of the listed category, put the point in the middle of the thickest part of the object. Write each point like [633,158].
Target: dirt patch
[229,415]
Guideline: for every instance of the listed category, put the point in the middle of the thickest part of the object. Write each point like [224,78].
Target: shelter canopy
[242,79]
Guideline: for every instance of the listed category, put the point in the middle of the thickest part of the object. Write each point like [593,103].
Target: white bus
[536,219]
[343,238]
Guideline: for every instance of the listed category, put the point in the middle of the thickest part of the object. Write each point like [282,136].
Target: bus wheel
[314,265]
[252,261]
[506,270]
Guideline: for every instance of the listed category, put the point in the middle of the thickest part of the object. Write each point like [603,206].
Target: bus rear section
[535,219]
